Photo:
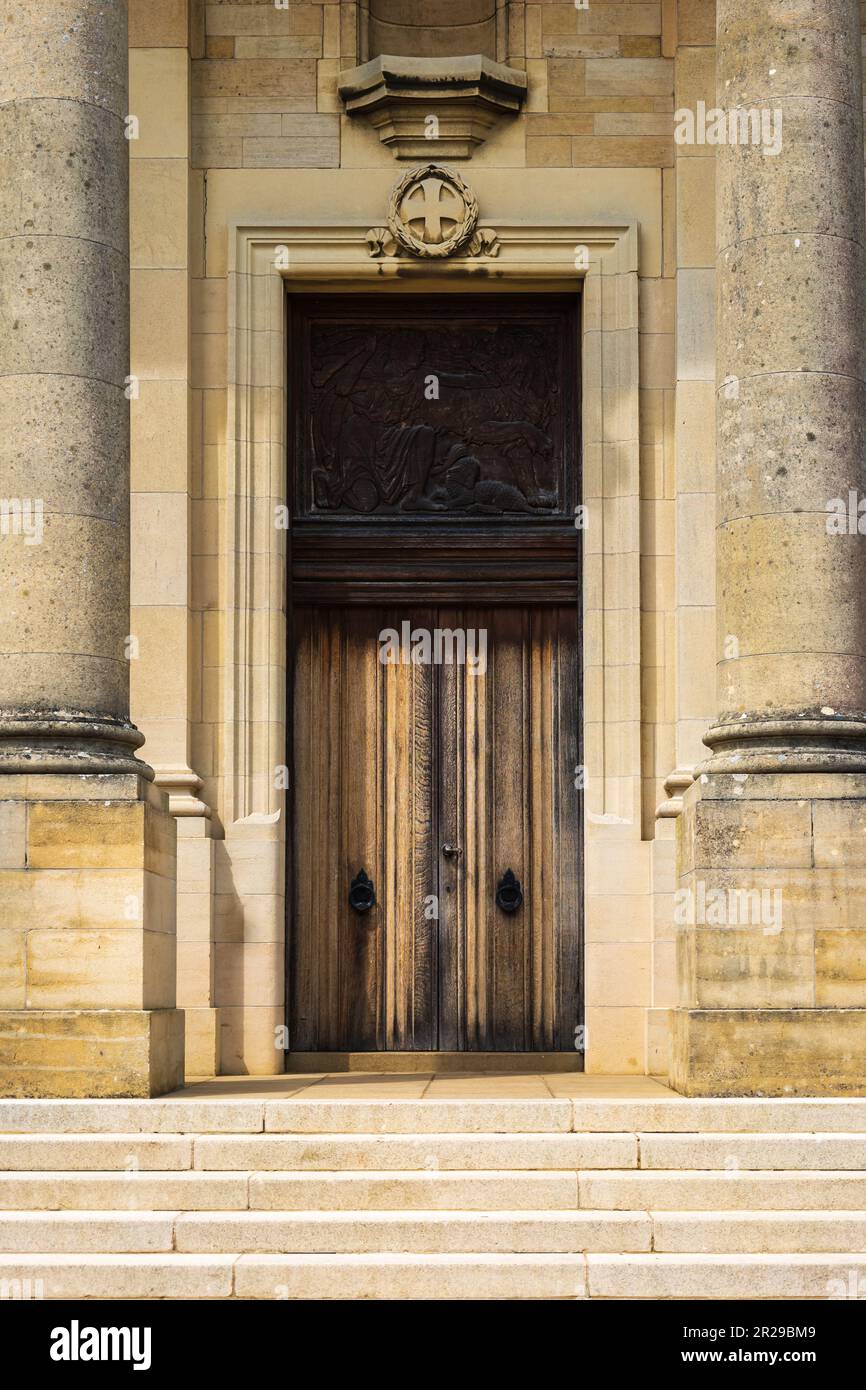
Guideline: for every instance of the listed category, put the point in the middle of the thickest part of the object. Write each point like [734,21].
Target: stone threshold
[523,1063]
[432,1083]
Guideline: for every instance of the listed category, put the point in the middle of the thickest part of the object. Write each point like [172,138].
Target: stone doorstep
[506,1116]
[464,1276]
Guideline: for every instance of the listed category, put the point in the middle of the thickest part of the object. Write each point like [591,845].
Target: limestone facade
[717,302]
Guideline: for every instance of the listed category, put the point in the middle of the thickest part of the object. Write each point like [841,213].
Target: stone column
[772,840]
[86,873]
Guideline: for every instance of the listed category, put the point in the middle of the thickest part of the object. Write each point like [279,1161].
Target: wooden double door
[435,754]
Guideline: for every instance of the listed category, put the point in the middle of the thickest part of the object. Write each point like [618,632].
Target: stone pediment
[421,105]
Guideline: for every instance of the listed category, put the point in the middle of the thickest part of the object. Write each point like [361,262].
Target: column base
[87,938]
[771,947]
[78,744]
[769,1052]
[90,1052]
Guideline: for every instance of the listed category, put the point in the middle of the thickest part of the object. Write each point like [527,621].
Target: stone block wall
[245,124]
[260,86]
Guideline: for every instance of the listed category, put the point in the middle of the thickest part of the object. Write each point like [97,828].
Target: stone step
[219,1233]
[336,1152]
[312,1191]
[90,1232]
[432,1232]
[287,1116]
[422,1232]
[407,1276]
[733,1152]
[447,1190]
[739,1276]
[390,1276]
[442,1190]
[132,1191]
[697,1190]
[674,1114]
[431,1152]
[770,1232]
[61,1276]
[324,1152]
[131,1116]
[99,1152]
[680,1115]
[279,1277]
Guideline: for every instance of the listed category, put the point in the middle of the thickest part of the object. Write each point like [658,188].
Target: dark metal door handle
[509,894]
[362,894]
[451,851]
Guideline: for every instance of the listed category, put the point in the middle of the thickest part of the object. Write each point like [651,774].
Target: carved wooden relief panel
[451,407]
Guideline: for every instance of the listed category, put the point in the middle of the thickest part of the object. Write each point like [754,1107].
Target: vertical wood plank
[568,816]
[359,1026]
[450,829]
[393,761]
[410,938]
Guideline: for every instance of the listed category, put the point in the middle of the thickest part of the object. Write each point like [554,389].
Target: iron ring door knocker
[362,894]
[509,895]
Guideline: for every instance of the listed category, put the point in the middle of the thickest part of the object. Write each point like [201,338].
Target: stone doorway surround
[600,259]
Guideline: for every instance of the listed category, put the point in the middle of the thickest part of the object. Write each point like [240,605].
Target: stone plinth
[771,946]
[87,938]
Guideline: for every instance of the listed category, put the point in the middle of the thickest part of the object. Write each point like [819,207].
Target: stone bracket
[441,106]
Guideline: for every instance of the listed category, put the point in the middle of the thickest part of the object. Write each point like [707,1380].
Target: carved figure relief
[448,414]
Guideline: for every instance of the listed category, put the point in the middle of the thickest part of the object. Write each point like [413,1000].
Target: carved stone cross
[432,208]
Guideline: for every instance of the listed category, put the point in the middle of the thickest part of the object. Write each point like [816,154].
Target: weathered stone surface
[787,355]
[778,1008]
[772,1052]
[433,1116]
[411,1152]
[85,1233]
[81,1052]
[61,173]
[801,447]
[728,1190]
[424,1232]
[804,187]
[71,50]
[132,1191]
[440,1191]
[123,1276]
[63,439]
[773,1232]
[720,1276]
[393,1276]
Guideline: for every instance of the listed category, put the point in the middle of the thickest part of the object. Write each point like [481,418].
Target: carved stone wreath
[429,199]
